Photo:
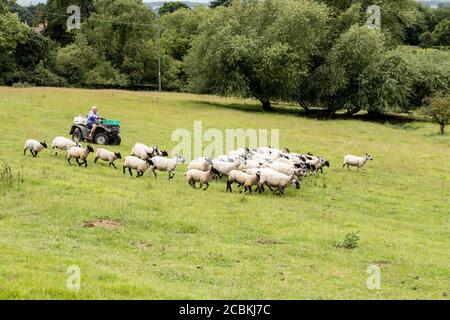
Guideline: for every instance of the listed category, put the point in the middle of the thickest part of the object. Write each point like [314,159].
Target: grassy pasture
[173,242]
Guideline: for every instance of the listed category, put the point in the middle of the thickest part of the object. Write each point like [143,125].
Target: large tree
[12,33]
[263,57]
[340,75]
[396,16]
[438,108]
[178,30]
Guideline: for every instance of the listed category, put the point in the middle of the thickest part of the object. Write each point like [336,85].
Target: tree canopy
[170,7]
[320,54]
[263,57]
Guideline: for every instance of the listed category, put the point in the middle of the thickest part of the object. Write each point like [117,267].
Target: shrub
[350,241]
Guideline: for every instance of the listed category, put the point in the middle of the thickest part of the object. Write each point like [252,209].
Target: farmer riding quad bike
[106,133]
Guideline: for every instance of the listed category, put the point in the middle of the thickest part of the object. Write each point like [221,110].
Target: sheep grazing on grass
[143,152]
[166,165]
[108,156]
[354,161]
[62,143]
[34,146]
[202,164]
[203,177]
[79,154]
[137,164]
[243,179]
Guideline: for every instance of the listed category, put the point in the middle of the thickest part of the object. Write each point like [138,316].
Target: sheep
[34,146]
[204,177]
[63,144]
[202,164]
[137,164]
[241,153]
[354,161]
[244,179]
[322,163]
[224,168]
[283,168]
[274,179]
[250,164]
[79,153]
[106,155]
[143,152]
[164,164]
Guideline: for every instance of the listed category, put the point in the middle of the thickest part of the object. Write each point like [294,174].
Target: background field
[175,242]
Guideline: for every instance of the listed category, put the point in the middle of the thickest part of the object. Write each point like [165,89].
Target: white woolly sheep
[284,168]
[79,154]
[108,156]
[62,143]
[166,165]
[275,179]
[203,177]
[224,168]
[34,146]
[243,179]
[250,164]
[137,164]
[144,152]
[354,161]
[202,164]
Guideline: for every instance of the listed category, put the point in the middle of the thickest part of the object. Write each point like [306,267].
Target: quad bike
[106,133]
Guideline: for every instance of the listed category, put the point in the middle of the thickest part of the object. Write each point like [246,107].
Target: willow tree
[257,49]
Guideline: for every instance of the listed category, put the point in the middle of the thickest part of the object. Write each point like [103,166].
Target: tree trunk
[305,106]
[442,125]
[266,105]
[353,111]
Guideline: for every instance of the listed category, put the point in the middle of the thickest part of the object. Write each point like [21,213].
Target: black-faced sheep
[34,146]
[166,165]
[203,177]
[79,154]
[108,156]
[243,179]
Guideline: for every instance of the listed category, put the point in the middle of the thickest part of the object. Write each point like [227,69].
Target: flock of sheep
[248,168]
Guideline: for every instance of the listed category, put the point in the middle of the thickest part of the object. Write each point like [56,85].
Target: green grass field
[174,242]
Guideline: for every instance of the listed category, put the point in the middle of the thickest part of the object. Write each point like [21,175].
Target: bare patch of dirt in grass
[101,223]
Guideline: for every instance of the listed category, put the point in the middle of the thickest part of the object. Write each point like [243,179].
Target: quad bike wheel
[77,136]
[101,139]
